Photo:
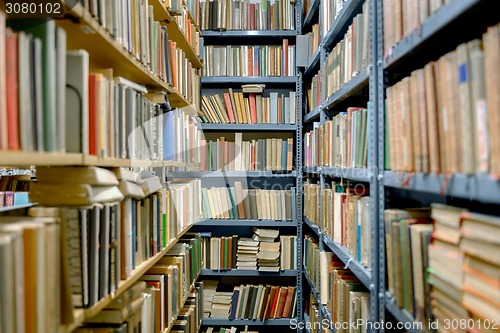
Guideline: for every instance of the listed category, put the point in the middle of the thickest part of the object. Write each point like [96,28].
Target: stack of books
[209,290]
[269,250]
[221,304]
[233,329]
[248,250]
[14,189]
[314,93]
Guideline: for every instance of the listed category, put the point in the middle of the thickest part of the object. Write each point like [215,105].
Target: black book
[94,217]
[104,235]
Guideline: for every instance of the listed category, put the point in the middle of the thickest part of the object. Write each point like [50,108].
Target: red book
[229,108]
[12,90]
[253,108]
[285,57]
[250,61]
[252,17]
[93,114]
[274,304]
[281,303]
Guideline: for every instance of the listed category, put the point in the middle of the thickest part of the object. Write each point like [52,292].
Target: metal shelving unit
[313,10]
[402,315]
[236,272]
[249,33]
[313,115]
[247,127]
[231,174]
[348,89]
[313,63]
[235,80]
[242,322]
[350,9]
[16,207]
[245,223]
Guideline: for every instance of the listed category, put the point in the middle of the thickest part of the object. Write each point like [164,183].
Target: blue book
[274,107]
[234,303]
[168,136]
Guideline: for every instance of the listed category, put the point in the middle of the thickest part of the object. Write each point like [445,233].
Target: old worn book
[76,175]
[73,194]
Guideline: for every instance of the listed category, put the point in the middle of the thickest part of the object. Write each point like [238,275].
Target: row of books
[37,117]
[345,216]
[247,15]
[331,10]
[238,203]
[257,302]
[314,93]
[163,297]
[351,55]
[403,17]
[311,314]
[234,107]
[232,329]
[189,28]
[132,24]
[444,117]
[266,60]
[11,199]
[344,295]
[339,142]
[442,268]
[15,182]
[130,311]
[313,38]
[311,259]
[190,316]
[255,155]
[235,252]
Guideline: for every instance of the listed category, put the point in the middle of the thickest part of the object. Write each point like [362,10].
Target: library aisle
[227,166]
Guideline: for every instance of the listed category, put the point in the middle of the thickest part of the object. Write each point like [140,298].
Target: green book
[226,253]
[47,33]
[234,207]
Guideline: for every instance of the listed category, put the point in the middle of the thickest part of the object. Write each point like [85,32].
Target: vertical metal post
[376,132]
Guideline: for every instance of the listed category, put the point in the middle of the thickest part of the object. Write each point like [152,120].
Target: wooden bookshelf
[191,17]
[134,277]
[25,159]
[106,52]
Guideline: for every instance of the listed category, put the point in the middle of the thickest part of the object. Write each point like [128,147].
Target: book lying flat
[84,175]
[79,194]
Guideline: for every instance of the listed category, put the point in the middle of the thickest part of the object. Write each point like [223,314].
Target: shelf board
[106,52]
[78,316]
[348,89]
[135,276]
[242,322]
[236,272]
[235,80]
[401,315]
[247,127]
[22,158]
[230,174]
[249,33]
[358,174]
[362,273]
[313,63]
[316,229]
[484,188]
[313,115]
[312,170]
[432,26]
[11,208]
[245,223]
[311,12]
[176,34]
[313,287]
[350,9]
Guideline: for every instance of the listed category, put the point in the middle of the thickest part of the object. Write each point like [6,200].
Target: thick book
[79,194]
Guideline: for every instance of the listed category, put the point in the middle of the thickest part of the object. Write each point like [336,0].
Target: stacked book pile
[269,250]
[209,289]
[246,255]
[221,304]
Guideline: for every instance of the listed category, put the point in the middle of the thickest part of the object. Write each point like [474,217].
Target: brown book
[238,188]
[131,293]
[432,118]
[415,122]
[287,310]
[281,303]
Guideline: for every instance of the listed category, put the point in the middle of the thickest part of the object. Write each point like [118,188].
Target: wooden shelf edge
[135,276]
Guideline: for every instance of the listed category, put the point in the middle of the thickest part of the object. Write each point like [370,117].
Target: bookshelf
[231,174]
[248,127]
[244,223]
[242,322]
[210,34]
[233,80]
[207,273]
[312,12]
[84,31]
[356,91]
